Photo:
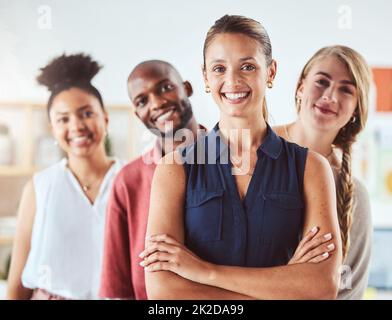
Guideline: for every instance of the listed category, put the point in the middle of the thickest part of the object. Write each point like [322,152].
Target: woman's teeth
[235,96]
[165,116]
[80,139]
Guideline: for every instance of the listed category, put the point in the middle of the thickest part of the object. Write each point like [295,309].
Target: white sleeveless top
[67,238]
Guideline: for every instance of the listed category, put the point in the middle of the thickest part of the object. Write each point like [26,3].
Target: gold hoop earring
[208,90]
[269,84]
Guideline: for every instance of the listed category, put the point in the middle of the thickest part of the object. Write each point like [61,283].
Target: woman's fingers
[162,237]
[156,256]
[316,242]
[299,252]
[320,258]
[157,246]
[309,236]
[311,246]
[159,266]
[321,253]
[313,243]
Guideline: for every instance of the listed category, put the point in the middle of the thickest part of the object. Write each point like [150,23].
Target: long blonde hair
[361,75]
[246,26]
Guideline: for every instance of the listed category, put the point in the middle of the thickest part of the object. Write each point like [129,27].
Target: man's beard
[186,114]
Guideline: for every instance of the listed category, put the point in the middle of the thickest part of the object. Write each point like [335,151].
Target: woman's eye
[62,120]
[218,69]
[347,90]
[322,82]
[248,67]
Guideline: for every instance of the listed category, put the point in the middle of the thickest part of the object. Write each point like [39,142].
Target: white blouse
[65,257]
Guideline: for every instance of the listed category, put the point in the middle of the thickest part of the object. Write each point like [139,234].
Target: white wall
[120,33]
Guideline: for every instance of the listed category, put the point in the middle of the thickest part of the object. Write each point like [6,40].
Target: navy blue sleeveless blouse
[264,228]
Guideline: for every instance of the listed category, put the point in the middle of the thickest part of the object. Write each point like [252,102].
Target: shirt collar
[271,146]
[155,153]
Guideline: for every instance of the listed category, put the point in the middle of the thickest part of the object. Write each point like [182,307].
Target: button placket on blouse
[237,209]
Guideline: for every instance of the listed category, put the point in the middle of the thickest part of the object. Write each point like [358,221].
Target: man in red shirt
[160,97]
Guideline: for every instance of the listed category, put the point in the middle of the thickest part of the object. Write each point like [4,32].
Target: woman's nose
[77,124]
[232,78]
[330,95]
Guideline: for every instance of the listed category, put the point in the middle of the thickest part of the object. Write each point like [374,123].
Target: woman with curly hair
[58,246]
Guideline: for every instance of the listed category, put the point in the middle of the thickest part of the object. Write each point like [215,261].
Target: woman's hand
[313,249]
[163,253]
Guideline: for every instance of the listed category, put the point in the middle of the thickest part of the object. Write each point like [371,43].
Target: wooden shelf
[16,171]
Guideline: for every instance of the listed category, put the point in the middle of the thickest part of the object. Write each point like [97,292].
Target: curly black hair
[70,71]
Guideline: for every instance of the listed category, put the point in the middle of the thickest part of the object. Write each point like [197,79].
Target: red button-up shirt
[125,231]
[126,223]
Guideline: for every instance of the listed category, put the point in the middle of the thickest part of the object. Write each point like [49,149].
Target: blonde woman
[214,234]
[332,103]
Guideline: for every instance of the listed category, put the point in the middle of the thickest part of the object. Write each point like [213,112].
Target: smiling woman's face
[236,73]
[328,95]
[78,122]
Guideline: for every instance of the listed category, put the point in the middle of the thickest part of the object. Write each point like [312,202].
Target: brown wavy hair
[246,26]
[361,75]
